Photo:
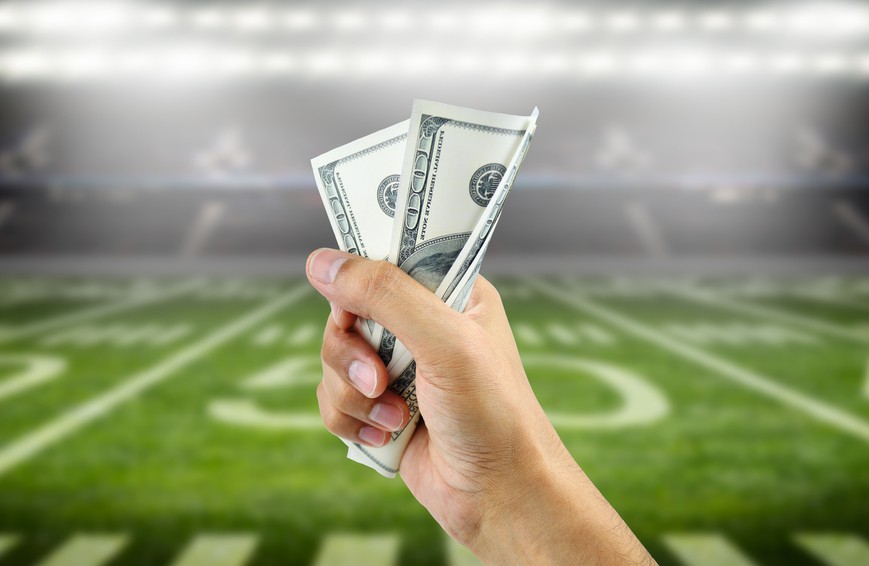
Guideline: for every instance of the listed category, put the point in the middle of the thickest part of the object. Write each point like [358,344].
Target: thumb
[384,293]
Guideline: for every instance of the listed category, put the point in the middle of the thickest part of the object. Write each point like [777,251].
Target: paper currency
[458,166]
[358,183]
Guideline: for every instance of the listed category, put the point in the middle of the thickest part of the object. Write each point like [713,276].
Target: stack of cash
[426,195]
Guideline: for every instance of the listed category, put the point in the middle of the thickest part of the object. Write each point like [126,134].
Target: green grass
[162,468]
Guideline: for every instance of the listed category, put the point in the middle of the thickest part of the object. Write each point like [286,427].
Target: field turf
[168,422]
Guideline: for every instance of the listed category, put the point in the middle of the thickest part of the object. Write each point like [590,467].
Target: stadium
[684,262]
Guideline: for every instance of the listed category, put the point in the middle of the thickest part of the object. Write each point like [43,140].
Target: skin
[486,463]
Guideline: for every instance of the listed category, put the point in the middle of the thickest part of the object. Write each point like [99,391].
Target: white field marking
[236,290]
[87,550]
[458,555]
[737,333]
[835,549]
[291,372]
[806,322]
[218,550]
[303,334]
[49,324]
[172,334]
[7,543]
[647,230]
[38,369]
[526,334]
[706,550]
[642,403]
[69,422]
[206,221]
[294,371]
[595,333]
[246,413]
[562,334]
[119,335]
[358,550]
[852,218]
[268,335]
[729,370]
[6,209]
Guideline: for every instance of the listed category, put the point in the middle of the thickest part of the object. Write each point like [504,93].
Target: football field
[174,422]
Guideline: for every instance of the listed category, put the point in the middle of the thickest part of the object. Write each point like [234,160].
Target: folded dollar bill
[434,217]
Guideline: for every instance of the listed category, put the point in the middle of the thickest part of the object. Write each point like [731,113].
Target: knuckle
[347,398]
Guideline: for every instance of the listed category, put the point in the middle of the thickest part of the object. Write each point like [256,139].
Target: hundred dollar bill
[454,287]
[454,160]
[358,183]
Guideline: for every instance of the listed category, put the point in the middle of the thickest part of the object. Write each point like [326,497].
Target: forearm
[558,517]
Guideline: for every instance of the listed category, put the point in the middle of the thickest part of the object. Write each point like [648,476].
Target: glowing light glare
[10,17]
[395,21]
[349,21]
[372,63]
[830,63]
[669,21]
[299,20]
[787,63]
[512,63]
[623,22]
[25,65]
[277,63]
[466,62]
[716,21]
[443,21]
[598,63]
[85,63]
[577,21]
[237,62]
[553,64]
[252,20]
[209,19]
[418,63]
[647,63]
[762,21]
[741,62]
[160,17]
[325,63]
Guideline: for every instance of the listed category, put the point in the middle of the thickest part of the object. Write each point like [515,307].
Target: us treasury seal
[387,192]
[485,181]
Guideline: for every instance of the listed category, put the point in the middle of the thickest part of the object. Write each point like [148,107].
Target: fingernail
[372,436]
[386,415]
[363,376]
[336,311]
[325,264]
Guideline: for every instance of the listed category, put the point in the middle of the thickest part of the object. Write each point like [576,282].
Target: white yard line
[69,422]
[268,335]
[750,380]
[87,550]
[851,217]
[7,543]
[835,549]
[458,555]
[206,222]
[527,334]
[358,550]
[302,335]
[647,230]
[218,550]
[49,324]
[706,550]
[807,322]
[562,334]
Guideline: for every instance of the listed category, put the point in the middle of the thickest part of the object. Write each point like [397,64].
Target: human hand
[486,463]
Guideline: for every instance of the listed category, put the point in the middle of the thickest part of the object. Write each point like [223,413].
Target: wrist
[553,514]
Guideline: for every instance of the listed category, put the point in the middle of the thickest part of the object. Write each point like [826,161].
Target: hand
[486,463]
